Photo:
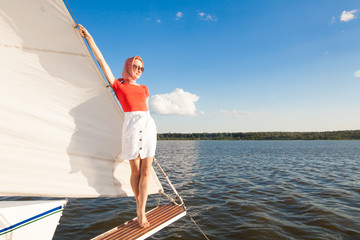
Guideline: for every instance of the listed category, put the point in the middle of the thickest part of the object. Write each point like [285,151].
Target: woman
[139,130]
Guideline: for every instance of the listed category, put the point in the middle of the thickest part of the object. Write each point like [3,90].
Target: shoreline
[241,136]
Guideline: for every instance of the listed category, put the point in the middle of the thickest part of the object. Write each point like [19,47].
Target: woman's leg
[139,180]
[145,169]
[135,178]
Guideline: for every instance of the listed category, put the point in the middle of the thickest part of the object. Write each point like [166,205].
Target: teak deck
[158,218]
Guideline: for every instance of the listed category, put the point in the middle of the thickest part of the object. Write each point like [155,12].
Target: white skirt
[139,136]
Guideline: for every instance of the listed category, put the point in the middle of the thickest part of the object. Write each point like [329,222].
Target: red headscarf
[128,73]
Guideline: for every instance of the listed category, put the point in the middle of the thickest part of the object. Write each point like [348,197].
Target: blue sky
[237,66]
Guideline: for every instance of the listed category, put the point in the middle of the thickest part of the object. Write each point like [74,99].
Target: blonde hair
[139,58]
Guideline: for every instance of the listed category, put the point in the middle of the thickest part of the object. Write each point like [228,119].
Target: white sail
[60,127]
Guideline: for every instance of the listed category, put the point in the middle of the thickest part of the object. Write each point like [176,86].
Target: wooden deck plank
[132,227]
[158,218]
[153,218]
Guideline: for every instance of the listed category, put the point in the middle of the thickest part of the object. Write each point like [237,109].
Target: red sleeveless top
[131,97]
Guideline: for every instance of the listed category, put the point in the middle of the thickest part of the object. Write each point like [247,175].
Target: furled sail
[60,127]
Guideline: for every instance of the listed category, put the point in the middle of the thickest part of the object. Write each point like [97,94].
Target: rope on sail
[178,196]
[168,180]
[72,14]
[168,197]
[192,219]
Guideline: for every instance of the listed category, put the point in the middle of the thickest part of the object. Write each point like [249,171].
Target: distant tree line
[333,135]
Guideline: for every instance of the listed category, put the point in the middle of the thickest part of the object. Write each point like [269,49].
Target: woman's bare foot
[142,220]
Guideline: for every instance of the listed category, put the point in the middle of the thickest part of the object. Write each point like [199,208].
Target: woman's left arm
[98,55]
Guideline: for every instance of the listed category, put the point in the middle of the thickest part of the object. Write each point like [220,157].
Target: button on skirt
[139,135]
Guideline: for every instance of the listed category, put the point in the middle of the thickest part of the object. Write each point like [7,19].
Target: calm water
[244,190]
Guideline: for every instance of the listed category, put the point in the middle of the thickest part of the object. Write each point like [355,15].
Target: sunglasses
[138,68]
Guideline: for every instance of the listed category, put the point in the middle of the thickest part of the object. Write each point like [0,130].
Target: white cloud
[357,74]
[177,102]
[179,15]
[332,20]
[207,17]
[348,15]
[235,113]
[158,20]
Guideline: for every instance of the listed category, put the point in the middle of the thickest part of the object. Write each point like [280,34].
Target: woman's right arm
[99,57]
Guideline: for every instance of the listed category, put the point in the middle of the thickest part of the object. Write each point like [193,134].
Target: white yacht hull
[21,220]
